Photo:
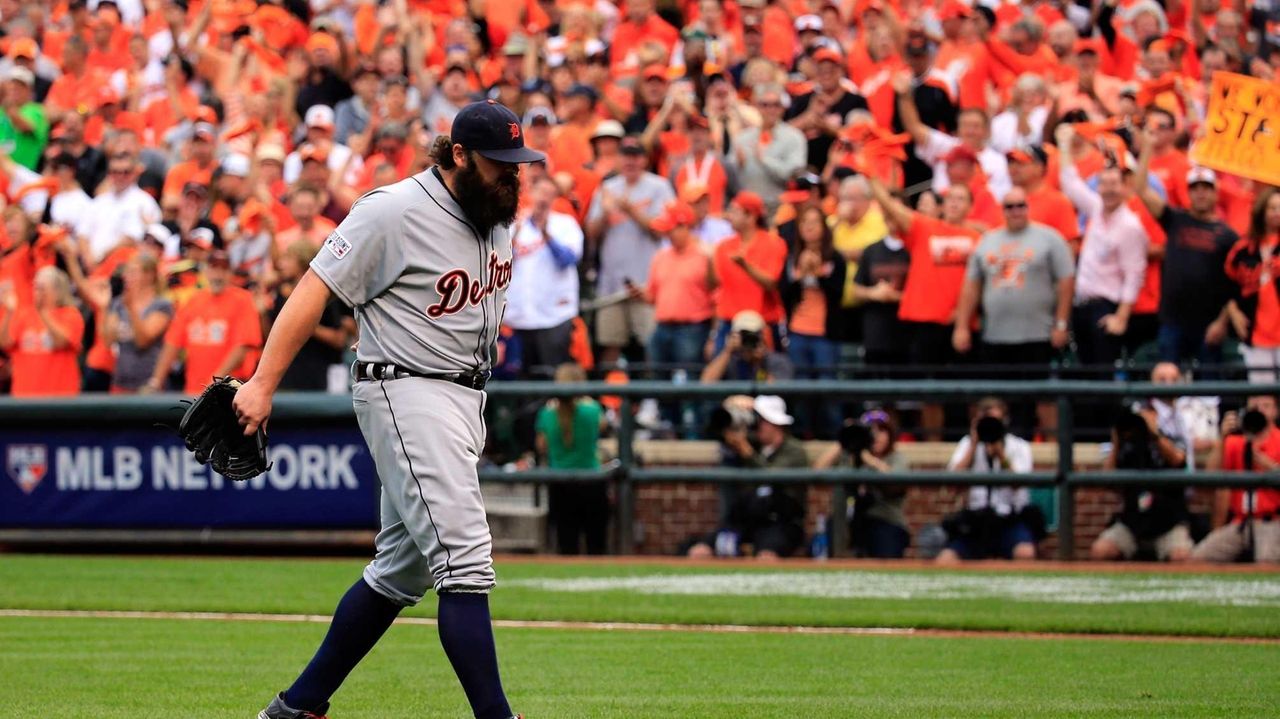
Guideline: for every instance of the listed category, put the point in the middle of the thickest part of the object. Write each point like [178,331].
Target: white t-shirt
[113,216]
[1005,500]
[993,164]
[542,295]
[338,154]
[712,231]
[1004,130]
[69,207]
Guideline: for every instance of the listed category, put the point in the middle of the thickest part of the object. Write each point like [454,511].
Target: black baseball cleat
[277,709]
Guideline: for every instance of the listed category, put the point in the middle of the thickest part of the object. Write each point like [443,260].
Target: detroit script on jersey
[458,290]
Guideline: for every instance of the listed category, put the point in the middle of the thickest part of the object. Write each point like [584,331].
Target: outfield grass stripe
[642,626]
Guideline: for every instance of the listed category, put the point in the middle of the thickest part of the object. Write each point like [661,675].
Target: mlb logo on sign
[27,465]
[337,245]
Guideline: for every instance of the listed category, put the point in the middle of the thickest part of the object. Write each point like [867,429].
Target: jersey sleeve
[359,260]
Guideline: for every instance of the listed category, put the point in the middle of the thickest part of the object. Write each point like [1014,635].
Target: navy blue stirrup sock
[467,636]
[360,620]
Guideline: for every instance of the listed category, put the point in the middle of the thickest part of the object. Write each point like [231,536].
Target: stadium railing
[308,408]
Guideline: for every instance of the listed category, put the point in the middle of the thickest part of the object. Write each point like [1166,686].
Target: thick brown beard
[487,204]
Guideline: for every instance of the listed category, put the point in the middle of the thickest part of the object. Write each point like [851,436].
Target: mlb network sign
[318,478]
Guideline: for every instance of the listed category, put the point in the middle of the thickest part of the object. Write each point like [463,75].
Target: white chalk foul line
[430,622]
[636,626]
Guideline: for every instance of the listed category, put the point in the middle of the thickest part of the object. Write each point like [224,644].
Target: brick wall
[668,513]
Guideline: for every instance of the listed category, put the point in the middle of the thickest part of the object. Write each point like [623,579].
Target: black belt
[367,371]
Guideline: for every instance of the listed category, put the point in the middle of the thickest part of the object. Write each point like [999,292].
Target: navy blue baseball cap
[492,130]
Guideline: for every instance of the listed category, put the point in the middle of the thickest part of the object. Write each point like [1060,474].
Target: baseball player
[425,262]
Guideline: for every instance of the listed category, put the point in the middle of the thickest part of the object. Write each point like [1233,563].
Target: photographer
[1246,518]
[768,518]
[746,356]
[998,521]
[877,525]
[1154,521]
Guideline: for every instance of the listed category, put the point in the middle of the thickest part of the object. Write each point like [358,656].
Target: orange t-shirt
[1172,168]
[809,317]
[970,63]
[628,36]
[182,173]
[678,285]
[571,146]
[69,92]
[1050,207]
[738,291]
[939,254]
[209,327]
[38,368]
[159,116]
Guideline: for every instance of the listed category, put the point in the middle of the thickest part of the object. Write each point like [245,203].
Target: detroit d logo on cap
[27,465]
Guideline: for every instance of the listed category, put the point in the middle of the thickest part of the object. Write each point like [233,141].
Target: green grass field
[109,668]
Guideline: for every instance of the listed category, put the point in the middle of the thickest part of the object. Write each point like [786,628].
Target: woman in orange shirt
[44,338]
[812,284]
[812,287]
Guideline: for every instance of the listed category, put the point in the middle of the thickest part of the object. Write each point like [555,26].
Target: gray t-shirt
[1020,274]
[627,250]
[134,366]
[428,289]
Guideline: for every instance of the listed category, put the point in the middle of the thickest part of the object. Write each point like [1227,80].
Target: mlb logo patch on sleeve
[337,245]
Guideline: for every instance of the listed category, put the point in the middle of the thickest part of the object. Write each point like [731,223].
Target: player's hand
[962,340]
[252,405]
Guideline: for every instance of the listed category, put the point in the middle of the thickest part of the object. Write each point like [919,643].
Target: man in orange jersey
[940,250]
[217,327]
[748,266]
[1047,205]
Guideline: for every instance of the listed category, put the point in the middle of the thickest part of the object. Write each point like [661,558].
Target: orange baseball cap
[322,41]
[828,55]
[750,202]
[674,214]
[655,72]
[954,10]
[23,47]
[313,152]
[693,192]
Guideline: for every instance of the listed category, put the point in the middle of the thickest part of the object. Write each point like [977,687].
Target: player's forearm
[293,327]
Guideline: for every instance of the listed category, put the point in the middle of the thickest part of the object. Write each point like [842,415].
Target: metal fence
[305,409]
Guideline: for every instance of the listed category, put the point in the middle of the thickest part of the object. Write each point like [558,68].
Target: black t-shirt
[310,369]
[821,145]
[213,233]
[1194,286]
[328,89]
[882,331]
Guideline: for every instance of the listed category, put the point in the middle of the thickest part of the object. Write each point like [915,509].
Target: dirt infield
[649,627]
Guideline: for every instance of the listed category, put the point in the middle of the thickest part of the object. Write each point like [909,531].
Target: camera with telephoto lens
[749,340]
[854,438]
[1135,448]
[1253,423]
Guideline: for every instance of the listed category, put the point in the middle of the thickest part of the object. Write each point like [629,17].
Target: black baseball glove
[212,431]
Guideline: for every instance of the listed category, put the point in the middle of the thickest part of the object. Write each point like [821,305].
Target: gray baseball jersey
[428,291]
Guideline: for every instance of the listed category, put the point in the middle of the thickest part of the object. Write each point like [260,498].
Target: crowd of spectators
[749,189]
